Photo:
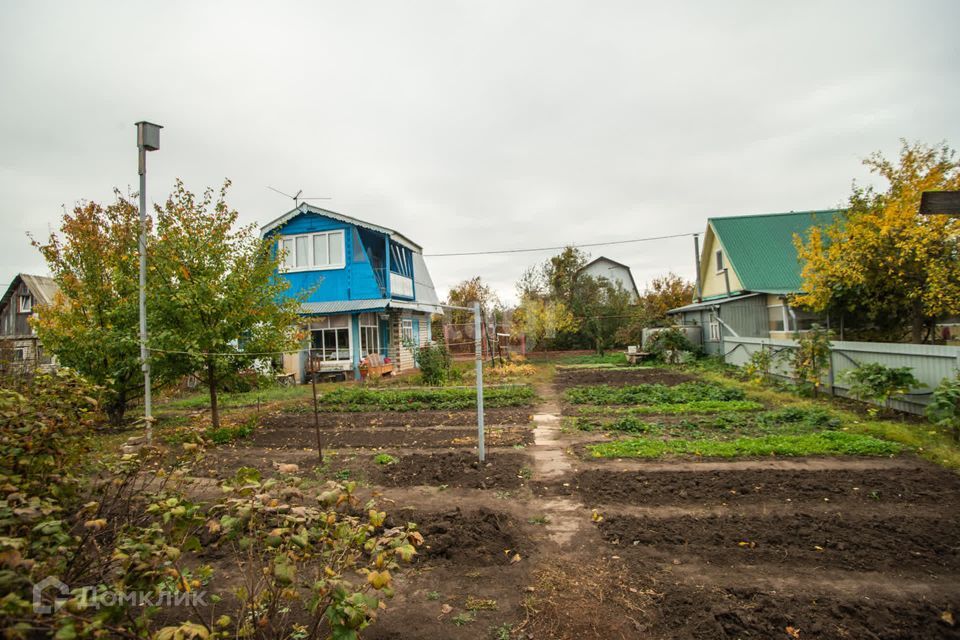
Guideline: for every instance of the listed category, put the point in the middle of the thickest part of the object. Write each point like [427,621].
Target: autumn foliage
[887,270]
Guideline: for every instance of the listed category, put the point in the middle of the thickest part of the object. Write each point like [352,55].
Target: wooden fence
[930,363]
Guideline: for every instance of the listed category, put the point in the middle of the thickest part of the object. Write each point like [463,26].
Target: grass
[418,399]
[201,399]
[653,394]
[811,444]
[614,358]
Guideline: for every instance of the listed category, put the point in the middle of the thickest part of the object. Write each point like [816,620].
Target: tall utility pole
[148,139]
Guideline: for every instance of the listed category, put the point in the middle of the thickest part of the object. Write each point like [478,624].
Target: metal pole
[144,360]
[696,260]
[316,416]
[479,357]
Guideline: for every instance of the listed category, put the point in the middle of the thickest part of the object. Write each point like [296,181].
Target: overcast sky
[471,126]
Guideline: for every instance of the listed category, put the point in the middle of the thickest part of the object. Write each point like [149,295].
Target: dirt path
[551,464]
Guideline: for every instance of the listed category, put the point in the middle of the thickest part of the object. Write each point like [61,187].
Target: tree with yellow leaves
[882,264]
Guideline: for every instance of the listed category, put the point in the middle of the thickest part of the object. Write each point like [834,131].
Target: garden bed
[921,484]
[618,376]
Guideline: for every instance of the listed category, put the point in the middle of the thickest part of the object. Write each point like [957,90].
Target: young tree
[603,308]
[222,303]
[540,319]
[468,292]
[92,326]
[883,261]
[560,273]
[664,293]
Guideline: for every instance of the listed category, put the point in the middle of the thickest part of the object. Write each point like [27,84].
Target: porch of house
[351,345]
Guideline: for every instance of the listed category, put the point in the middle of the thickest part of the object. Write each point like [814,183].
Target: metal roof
[760,250]
[373,304]
[43,288]
[706,304]
[306,208]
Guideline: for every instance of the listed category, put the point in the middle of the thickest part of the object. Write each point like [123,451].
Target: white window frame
[368,328]
[719,260]
[714,328]
[25,308]
[290,260]
[406,332]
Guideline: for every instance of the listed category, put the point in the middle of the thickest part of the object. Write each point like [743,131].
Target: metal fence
[930,363]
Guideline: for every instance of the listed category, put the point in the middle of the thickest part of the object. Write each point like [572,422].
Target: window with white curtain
[313,251]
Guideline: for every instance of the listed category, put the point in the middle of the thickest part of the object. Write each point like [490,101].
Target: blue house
[369,291]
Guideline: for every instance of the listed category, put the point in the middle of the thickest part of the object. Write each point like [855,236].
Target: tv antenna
[297,197]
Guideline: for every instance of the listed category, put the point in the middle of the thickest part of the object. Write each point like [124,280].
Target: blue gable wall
[355,281]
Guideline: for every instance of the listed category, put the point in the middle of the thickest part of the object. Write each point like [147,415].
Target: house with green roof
[746,269]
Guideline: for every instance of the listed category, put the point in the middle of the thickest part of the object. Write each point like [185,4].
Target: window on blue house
[369,334]
[313,251]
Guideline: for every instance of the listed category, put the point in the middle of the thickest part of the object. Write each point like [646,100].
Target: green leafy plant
[758,366]
[652,394]
[435,363]
[875,382]
[823,443]
[449,398]
[384,459]
[224,435]
[944,407]
[810,359]
[669,345]
[463,619]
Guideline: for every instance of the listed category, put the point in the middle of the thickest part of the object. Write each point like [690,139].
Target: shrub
[811,358]
[944,407]
[669,344]
[876,382]
[758,366]
[434,362]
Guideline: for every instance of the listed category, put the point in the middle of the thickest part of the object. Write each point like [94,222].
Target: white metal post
[478,339]
[148,139]
[144,361]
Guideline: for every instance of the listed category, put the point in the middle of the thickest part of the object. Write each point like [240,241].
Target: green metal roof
[760,248]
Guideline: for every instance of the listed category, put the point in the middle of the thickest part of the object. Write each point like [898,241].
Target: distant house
[748,267]
[613,271]
[18,342]
[369,291]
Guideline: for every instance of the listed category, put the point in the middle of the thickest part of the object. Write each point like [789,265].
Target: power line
[588,244]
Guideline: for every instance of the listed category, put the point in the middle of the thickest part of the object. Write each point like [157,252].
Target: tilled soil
[453,469]
[618,377]
[921,484]
[748,614]
[483,537]
[901,545]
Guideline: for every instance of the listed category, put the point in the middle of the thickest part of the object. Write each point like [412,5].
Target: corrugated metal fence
[930,363]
